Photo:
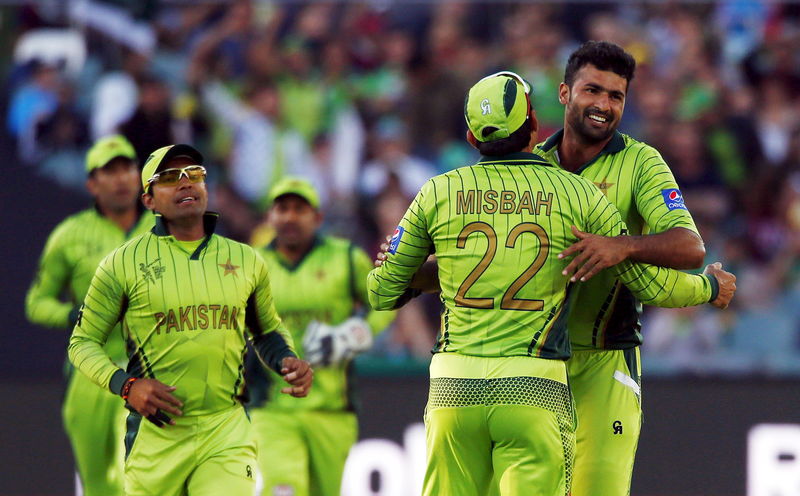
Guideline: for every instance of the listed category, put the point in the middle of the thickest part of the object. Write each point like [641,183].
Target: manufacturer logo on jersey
[229,268]
[249,471]
[485,107]
[396,237]
[152,271]
[617,425]
[673,199]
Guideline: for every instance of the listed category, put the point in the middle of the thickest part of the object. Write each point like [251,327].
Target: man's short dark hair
[604,55]
[515,142]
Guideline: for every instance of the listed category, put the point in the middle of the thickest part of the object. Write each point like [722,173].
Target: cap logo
[485,107]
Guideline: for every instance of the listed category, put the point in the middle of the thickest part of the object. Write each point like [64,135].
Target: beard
[576,118]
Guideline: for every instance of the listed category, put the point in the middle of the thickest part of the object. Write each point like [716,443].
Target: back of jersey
[496,229]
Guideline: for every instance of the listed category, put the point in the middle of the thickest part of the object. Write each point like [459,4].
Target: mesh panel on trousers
[449,392]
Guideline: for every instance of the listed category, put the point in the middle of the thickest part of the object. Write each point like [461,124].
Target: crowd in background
[366,100]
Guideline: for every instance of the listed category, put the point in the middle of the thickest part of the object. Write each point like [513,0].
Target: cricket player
[184,296]
[604,327]
[499,405]
[93,418]
[321,295]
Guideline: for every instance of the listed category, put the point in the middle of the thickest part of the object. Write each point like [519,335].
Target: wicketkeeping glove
[327,345]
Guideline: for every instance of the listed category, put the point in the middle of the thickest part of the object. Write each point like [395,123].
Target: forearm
[89,357]
[677,248]
[663,287]
[49,312]
[272,348]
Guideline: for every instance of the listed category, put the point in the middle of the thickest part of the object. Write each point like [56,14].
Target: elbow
[696,256]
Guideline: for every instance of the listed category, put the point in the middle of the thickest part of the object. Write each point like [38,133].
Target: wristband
[126,388]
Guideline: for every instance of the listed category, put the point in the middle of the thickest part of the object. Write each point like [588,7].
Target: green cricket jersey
[329,284]
[635,178]
[184,308]
[69,259]
[496,229]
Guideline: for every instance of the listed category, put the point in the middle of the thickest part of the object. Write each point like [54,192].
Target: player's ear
[563,93]
[471,139]
[147,201]
[534,128]
[91,185]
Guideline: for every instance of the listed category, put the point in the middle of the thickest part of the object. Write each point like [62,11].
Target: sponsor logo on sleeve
[673,199]
[396,237]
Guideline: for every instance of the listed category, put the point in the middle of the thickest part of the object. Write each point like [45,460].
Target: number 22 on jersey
[509,300]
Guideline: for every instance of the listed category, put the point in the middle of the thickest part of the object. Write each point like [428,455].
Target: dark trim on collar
[514,158]
[316,242]
[209,225]
[614,145]
[553,140]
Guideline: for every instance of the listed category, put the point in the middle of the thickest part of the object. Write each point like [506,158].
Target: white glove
[331,345]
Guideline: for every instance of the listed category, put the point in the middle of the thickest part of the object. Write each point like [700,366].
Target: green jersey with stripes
[329,285]
[68,262]
[635,178]
[184,308]
[496,229]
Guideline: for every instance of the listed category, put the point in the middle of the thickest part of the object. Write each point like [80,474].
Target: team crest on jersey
[396,237]
[673,199]
[152,271]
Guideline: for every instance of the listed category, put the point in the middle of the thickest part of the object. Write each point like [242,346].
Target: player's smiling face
[181,201]
[295,221]
[595,103]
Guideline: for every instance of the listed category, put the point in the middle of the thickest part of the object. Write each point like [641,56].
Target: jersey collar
[209,225]
[614,145]
[518,158]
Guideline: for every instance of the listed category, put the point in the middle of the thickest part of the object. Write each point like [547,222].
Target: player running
[322,295]
[499,405]
[184,296]
[93,418]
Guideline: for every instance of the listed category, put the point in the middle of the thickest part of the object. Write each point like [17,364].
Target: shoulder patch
[396,237]
[673,199]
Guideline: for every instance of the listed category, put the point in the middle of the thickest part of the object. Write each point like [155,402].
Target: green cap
[294,186]
[107,149]
[164,155]
[497,105]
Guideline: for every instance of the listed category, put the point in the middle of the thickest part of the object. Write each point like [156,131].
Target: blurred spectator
[263,150]
[34,100]
[393,169]
[151,125]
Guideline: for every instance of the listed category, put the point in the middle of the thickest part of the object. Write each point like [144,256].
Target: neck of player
[187,229]
[574,151]
[293,252]
[124,218]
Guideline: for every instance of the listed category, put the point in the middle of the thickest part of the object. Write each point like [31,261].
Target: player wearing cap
[322,300]
[93,418]
[184,296]
[499,405]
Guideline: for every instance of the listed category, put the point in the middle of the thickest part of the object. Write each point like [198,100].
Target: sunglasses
[171,177]
[514,76]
